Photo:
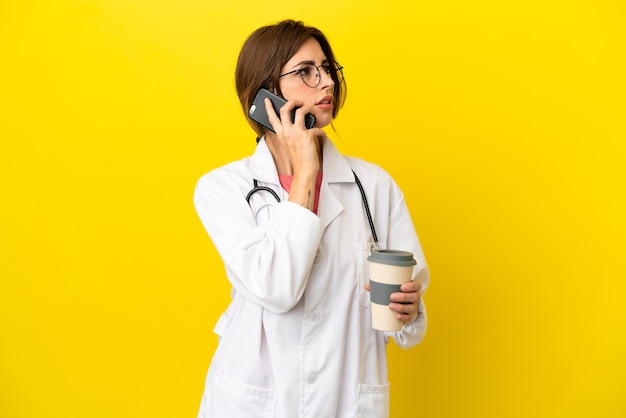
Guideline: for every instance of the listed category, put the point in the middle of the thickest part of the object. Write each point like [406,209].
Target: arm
[296,151]
[408,304]
[268,264]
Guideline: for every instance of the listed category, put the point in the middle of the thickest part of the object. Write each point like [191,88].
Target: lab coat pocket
[363,250]
[230,398]
[373,401]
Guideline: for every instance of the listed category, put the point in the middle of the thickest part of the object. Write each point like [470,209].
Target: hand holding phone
[257,110]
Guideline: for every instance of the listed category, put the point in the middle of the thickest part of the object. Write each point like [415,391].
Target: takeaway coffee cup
[388,270]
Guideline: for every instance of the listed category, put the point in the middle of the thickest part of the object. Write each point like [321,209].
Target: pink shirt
[286,180]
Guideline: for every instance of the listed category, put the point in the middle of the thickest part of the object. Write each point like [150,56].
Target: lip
[326,102]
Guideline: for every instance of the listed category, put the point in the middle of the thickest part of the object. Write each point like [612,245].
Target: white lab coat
[296,340]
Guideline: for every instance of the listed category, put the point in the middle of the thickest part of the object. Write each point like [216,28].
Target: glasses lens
[334,72]
[338,70]
[310,75]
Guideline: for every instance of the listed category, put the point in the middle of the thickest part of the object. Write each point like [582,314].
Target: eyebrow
[301,63]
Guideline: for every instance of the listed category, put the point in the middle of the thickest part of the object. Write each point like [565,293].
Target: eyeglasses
[310,73]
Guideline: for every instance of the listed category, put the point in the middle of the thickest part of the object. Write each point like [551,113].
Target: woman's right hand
[297,151]
[300,146]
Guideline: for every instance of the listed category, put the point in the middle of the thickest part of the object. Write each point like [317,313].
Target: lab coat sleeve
[402,235]
[269,265]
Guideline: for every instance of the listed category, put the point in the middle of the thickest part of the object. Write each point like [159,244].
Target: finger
[406,318]
[401,297]
[403,309]
[298,119]
[285,111]
[412,286]
[300,115]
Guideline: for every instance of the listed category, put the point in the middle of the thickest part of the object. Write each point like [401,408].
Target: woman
[297,340]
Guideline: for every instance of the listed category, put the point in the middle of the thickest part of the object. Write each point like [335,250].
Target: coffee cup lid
[392,257]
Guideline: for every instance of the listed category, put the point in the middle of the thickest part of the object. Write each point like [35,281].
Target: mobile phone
[257,110]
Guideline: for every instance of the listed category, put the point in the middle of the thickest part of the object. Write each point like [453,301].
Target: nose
[325,81]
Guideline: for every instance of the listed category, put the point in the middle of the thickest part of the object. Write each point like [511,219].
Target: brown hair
[264,54]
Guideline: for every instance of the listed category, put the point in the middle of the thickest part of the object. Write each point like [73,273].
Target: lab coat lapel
[336,170]
[262,165]
[329,206]
[263,169]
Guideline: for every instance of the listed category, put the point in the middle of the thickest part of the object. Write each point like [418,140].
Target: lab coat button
[315,316]
[311,378]
[317,257]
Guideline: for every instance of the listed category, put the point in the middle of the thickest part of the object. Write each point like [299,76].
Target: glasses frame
[338,68]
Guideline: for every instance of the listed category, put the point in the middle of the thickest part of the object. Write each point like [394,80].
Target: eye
[306,70]
[328,69]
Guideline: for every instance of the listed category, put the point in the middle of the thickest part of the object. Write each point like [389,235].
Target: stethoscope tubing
[258,188]
[367,210]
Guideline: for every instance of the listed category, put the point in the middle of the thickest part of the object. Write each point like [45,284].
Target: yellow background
[503,121]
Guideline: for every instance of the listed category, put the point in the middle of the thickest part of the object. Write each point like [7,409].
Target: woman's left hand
[405,303]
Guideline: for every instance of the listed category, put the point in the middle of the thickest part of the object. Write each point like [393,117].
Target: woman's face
[319,100]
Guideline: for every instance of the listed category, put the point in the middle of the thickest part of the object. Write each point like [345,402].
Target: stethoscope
[375,247]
